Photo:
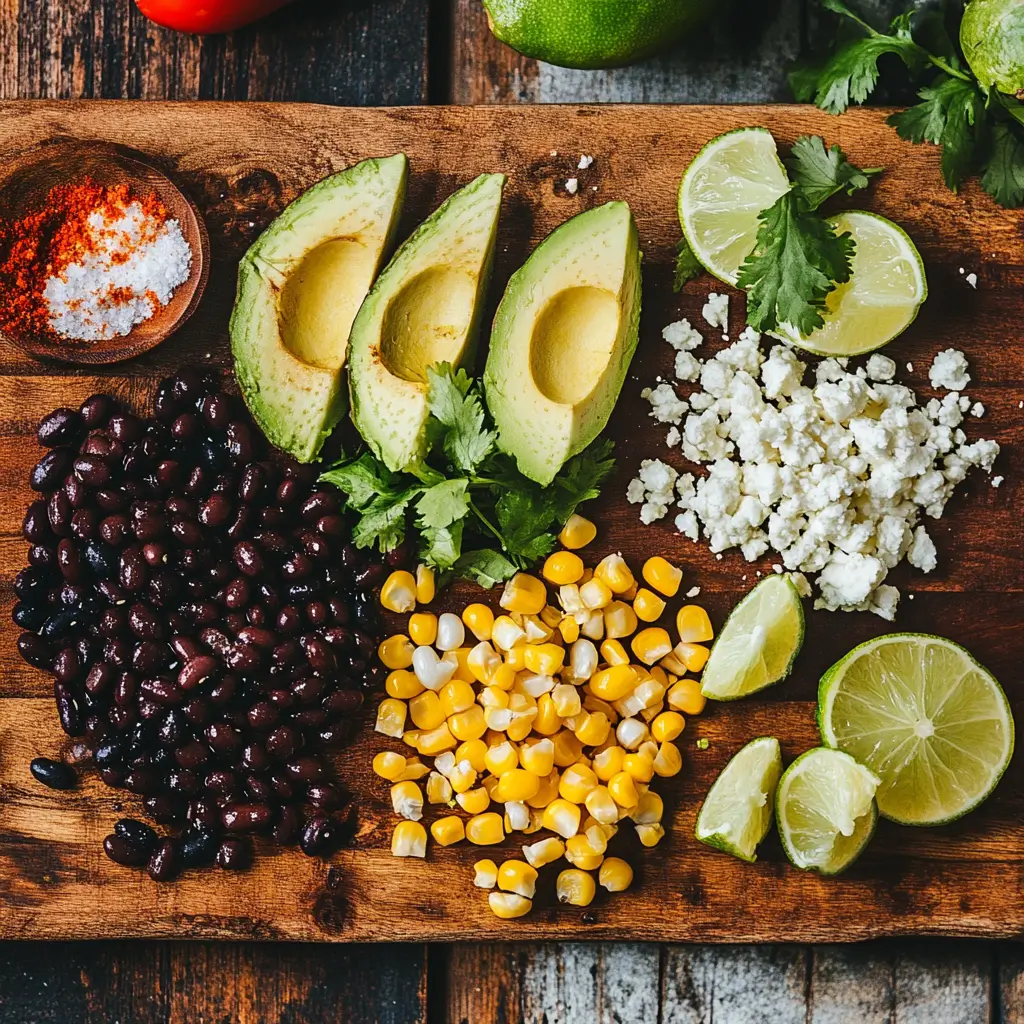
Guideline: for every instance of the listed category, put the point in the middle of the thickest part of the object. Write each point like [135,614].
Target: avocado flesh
[424,309]
[300,286]
[563,339]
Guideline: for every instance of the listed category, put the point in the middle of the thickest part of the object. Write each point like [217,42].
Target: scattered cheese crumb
[997,481]
[972,280]
[910,367]
[977,410]
[683,337]
[572,186]
[585,162]
[881,368]
[949,370]
[693,592]
[716,310]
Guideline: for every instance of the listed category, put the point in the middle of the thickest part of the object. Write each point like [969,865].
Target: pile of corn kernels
[548,715]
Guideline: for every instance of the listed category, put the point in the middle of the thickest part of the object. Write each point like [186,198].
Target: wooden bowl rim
[136,165]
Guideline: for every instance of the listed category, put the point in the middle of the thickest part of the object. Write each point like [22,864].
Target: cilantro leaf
[688,266]
[580,480]
[1004,176]
[383,521]
[454,403]
[362,480]
[485,566]
[443,504]
[819,172]
[442,547]
[797,260]
[524,519]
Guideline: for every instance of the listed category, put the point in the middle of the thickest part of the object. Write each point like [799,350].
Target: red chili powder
[43,244]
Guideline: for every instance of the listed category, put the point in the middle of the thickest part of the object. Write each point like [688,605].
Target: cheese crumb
[585,162]
[572,186]
[972,280]
[881,368]
[997,481]
[716,310]
[693,592]
[949,370]
[682,337]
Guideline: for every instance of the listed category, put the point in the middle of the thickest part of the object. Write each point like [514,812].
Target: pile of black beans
[209,624]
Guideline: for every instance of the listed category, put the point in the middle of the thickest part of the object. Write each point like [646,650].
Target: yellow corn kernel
[577,532]
[436,741]
[507,634]
[623,790]
[389,765]
[411,738]
[423,628]
[456,696]
[614,653]
[613,572]
[667,726]
[547,722]
[563,568]
[448,830]
[693,656]
[650,835]
[409,840]
[566,699]
[669,761]
[545,851]
[468,725]
[593,729]
[502,758]
[402,684]
[492,697]
[577,782]
[592,703]
[649,809]
[462,671]
[544,659]
[415,770]
[595,595]
[425,584]
[615,874]
[613,683]
[608,762]
[670,663]
[550,616]
[396,652]
[474,801]
[685,696]
[580,853]
[538,757]
[517,784]
[439,789]
[649,693]
[517,816]
[426,711]
[485,829]
[619,620]
[662,575]
[647,605]
[479,620]
[575,887]
[521,726]
[639,767]
[568,749]
[399,592]
[508,905]
[548,791]
[569,629]
[562,817]
[485,873]
[505,675]
[472,751]
[651,644]
[601,806]
[694,625]
[518,876]
[462,776]
[391,715]
[524,594]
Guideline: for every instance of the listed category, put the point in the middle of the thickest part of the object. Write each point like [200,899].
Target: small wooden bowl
[25,182]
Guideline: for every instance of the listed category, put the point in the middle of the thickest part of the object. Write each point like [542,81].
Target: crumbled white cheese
[585,162]
[977,410]
[682,337]
[693,592]
[666,405]
[673,437]
[716,311]
[654,488]
[881,368]
[687,366]
[572,186]
[949,370]
[972,280]
[997,481]
[922,552]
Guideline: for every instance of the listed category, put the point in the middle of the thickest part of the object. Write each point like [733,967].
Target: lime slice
[882,297]
[825,809]
[737,811]
[758,642]
[925,717]
[730,181]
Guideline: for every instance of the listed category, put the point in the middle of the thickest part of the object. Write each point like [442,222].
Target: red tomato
[207,16]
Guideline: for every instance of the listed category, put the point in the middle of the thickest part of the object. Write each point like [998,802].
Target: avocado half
[424,309]
[563,339]
[300,286]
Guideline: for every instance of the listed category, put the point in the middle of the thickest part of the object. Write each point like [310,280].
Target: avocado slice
[424,309]
[563,338]
[300,286]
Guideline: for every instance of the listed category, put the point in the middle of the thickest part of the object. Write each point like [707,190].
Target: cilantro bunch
[475,515]
[980,130]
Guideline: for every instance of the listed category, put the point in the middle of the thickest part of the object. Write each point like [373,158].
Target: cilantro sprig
[475,515]
[980,130]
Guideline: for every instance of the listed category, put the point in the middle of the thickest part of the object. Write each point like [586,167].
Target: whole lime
[593,33]
[992,37]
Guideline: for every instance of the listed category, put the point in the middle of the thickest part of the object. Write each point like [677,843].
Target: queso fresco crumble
[833,468]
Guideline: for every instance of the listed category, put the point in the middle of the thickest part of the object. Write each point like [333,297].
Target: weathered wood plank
[479,982]
[1010,983]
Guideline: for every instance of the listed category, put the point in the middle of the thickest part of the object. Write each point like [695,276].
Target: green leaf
[580,479]
[797,260]
[524,516]
[383,521]
[819,172]
[454,403]
[688,266]
[1004,176]
[362,480]
[442,547]
[443,504]
[486,567]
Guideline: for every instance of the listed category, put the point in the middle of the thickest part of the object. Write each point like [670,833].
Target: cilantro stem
[943,65]
[490,526]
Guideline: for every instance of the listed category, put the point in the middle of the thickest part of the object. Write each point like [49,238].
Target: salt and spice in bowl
[101,256]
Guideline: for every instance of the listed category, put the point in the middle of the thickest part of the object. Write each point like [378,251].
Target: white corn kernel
[567,699]
[631,732]
[544,852]
[583,660]
[451,633]
[432,672]
[517,816]
[535,685]
[485,874]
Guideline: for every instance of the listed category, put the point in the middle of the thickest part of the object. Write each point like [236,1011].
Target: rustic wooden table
[404,52]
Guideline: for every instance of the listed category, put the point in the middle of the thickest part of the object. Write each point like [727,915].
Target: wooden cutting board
[242,163]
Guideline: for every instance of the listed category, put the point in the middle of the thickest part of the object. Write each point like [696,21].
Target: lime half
[758,642]
[882,297]
[737,811]
[825,810]
[925,717]
[730,181]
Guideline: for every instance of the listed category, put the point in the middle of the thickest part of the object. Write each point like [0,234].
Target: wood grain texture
[242,163]
[356,51]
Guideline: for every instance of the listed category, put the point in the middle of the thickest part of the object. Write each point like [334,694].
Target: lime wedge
[758,643]
[882,297]
[923,715]
[825,809]
[730,181]
[737,811]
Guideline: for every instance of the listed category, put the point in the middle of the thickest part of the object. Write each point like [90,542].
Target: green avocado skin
[992,37]
[592,34]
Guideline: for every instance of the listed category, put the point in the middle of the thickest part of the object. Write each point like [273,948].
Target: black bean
[162,690]
[163,861]
[197,847]
[248,558]
[49,472]
[245,817]
[149,656]
[253,479]
[144,623]
[120,851]
[320,836]
[287,827]
[97,410]
[305,769]
[55,774]
[191,755]
[234,854]
[62,426]
[102,559]
[136,832]
[164,810]
[92,470]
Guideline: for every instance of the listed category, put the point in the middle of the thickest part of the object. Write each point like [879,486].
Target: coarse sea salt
[136,266]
